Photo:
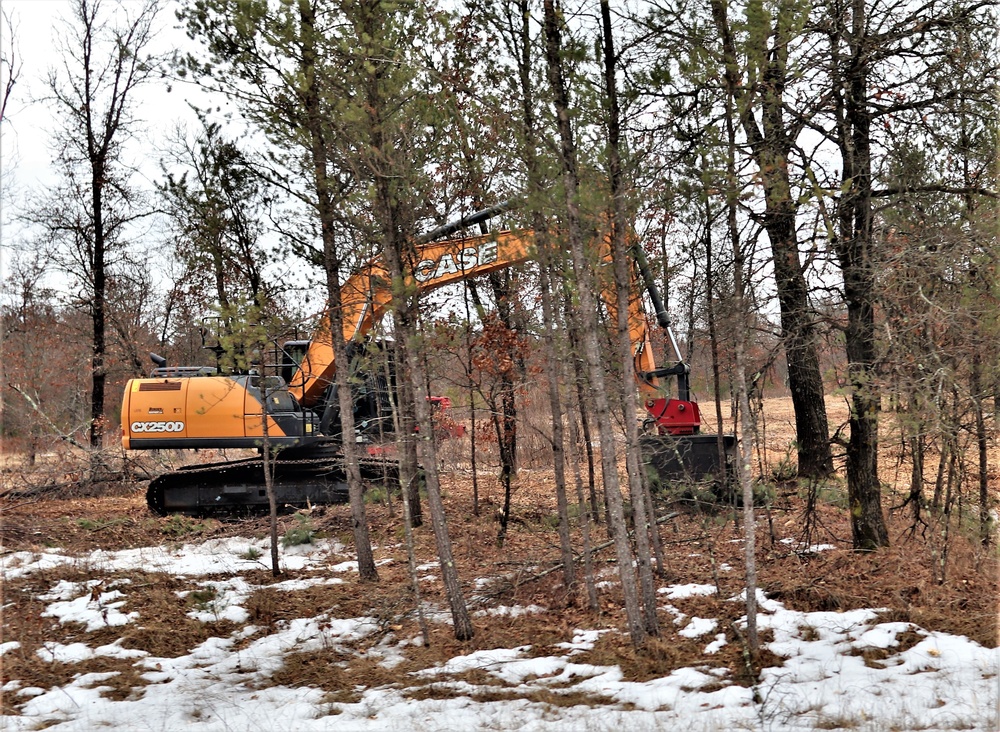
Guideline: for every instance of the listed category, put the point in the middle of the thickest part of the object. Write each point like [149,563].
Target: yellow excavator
[199,407]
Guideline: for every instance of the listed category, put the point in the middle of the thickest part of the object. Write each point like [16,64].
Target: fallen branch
[36,407]
[40,489]
[36,490]
[559,565]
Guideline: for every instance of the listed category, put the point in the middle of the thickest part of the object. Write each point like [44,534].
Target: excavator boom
[367,295]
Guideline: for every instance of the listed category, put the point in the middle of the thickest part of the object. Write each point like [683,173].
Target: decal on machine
[466,259]
[157,426]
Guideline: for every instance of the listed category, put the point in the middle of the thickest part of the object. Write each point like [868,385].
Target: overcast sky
[36,22]
[25,137]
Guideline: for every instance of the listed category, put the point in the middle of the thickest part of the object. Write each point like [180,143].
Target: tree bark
[855,247]
[548,264]
[585,514]
[317,129]
[740,303]
[588,313]
[772,143]
[623,294]
[413,370]
[387,170]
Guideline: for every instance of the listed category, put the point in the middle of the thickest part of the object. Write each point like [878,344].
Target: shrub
[300,534]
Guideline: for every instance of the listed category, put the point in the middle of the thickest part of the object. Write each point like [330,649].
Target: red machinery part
[675,416]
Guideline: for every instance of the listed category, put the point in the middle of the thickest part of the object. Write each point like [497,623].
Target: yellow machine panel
[207,411]
[214,406]
[153,408]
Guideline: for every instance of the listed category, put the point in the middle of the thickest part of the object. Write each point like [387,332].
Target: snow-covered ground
[941,683]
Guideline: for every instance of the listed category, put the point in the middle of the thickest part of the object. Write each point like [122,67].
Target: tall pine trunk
[623,293]
[387,168]
[772,142]
[583,277]
[317,129]
[855,248]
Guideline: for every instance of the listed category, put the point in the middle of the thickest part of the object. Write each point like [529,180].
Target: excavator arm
[367,295]
[680,416]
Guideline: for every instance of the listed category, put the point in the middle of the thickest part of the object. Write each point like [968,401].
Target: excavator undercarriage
[240,487]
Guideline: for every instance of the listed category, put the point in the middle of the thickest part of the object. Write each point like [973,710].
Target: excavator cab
[292,354]
[373,384]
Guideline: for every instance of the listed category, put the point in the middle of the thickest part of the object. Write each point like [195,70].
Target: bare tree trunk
[746,475]
[503,416]
[317,127]
[982,442]
[505,419]
[414,373]
[944,456]
[359,519]
[272,502]
[585,514]
[772,143]
[916,496]
[855,246]
[409,464]
[747,428]
[548,264]
[411,563]
[713,334]
[427,451]
[105,61]
[580,384]
[472,402]
[555,406]
[623,288]
[588,307]
[389,168]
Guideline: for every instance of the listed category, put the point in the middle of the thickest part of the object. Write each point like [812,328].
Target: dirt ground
[935,574]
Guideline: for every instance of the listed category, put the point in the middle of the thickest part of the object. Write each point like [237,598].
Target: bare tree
[884,61]
[623,293]
[288,70]
[773,142]
[10,70]
[104,60]
[388,163]
[740,303]
[588,313]
[10,64]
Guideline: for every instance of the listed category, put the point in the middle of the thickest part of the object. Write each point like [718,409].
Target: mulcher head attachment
[691,467]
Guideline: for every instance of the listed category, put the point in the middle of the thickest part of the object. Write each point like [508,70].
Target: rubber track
[235,487]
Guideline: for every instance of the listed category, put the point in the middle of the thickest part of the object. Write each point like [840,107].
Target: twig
[52,425]
[593,551]
[35,491]
[14,506]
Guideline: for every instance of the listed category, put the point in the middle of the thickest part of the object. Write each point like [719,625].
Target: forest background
[814,183]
